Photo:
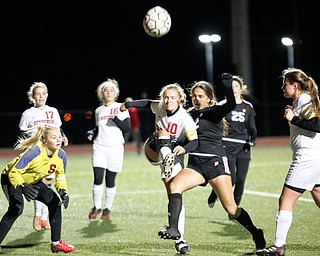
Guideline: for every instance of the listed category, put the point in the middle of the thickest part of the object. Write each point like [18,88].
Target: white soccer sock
[164,151]
[44,212]
[37,208]
[283,223]
[110,194]
[97,193]
[181,222]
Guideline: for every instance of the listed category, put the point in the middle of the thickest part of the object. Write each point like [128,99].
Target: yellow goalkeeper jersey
[33,164]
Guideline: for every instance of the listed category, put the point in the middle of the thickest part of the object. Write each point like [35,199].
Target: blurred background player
[238,141]
[175,135]
[134,134]
[40,114]
[108,146]
[24,175]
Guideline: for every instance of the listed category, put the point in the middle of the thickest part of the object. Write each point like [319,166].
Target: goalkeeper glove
[30,192]
[64,197]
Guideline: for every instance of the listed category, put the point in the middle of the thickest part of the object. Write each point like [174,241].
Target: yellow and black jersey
[34,164]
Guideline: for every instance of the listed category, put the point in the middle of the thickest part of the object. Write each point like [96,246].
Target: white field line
[246,191]
[265,194]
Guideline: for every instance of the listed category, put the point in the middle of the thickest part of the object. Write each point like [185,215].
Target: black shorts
[235,150]
[209,167]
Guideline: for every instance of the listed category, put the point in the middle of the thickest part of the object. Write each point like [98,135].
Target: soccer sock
[37,208]
[283,223]
[97,192]
[245,220]
[164,151]
[44,212]
[175,205]
[181,222]
[110,194]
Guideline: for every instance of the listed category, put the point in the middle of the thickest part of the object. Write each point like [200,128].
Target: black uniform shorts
[209,167]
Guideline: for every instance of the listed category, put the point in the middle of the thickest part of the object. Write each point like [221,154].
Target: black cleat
[169,233]
[272,250]
[212,199]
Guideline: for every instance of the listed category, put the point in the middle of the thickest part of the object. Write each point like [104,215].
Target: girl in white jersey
[40,114]
[175,135]
[304,172]
[108,146]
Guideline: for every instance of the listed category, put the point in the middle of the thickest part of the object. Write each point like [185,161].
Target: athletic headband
[238,80]
[110,84]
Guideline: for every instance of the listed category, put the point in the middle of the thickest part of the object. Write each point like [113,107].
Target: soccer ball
[157,22]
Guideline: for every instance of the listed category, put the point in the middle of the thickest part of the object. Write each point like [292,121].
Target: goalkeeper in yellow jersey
[42,156]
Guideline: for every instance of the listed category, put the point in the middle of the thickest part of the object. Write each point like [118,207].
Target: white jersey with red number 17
[35,116]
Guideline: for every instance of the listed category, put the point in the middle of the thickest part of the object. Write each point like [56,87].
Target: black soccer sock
[245,220]
[175,206]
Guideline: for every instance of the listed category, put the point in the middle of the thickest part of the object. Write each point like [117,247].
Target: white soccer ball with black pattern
[157,22]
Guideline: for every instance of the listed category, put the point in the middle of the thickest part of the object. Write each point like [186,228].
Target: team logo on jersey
[244,110]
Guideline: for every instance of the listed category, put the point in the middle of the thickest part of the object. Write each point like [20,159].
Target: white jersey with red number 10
[35,116]
[109,134]
[179,126]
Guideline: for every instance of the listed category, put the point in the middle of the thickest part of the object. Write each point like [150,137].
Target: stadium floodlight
[288,42]
[208,41]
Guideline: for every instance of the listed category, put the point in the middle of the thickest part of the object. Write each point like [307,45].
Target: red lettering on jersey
[172,128]
[52,168]
[49,114]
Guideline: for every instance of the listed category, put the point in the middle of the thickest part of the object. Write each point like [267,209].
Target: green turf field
[140,210]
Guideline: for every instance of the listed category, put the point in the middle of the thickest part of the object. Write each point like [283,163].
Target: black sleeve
[124,125]
[252,129]
[310,125]
[93,132]
[191,145]
[62,132]
[138,103]
[225,108]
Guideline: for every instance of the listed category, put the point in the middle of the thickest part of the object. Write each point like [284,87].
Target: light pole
[208,40]
[288,42]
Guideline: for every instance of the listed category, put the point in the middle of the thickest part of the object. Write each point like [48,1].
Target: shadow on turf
[24,242]
[233,229]
[96,228]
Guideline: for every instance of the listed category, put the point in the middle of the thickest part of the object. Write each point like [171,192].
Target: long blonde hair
[33,136]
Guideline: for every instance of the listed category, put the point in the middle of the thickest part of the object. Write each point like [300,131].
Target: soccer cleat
[272,250]
[62,246]
[94,212]
[168,164]
[182,247]
[259,240]
[212,199]
[169,233]
[37,223]
[105,214]
[45,224]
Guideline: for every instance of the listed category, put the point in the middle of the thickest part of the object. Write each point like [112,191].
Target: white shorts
[304,171]
[110,158]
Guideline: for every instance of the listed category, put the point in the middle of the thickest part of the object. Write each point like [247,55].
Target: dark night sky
[72,46]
